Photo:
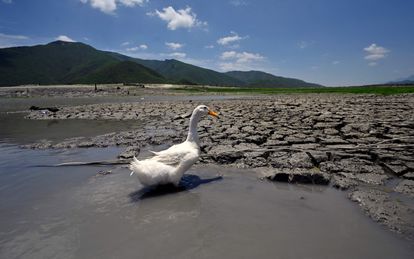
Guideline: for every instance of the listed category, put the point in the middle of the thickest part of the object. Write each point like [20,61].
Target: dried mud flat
[360,143]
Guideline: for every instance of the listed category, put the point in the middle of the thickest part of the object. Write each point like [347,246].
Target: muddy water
[70,212]
[14,128]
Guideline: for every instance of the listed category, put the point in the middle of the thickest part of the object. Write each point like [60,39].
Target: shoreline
[359,143]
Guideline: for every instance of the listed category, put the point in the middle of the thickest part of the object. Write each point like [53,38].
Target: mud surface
[360,143]
[102,212]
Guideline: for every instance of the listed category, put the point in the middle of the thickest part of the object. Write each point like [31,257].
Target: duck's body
[168,166]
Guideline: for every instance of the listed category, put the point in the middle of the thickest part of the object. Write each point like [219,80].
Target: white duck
[168,166]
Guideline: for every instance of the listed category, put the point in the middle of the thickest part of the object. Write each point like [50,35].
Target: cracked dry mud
[360,143]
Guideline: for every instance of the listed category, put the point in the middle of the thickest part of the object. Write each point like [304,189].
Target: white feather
[168,166]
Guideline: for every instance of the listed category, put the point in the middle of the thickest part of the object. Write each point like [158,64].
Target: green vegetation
[382,90]
[54,63]
[265,80]
[77,63]
[124,71]
[175,70]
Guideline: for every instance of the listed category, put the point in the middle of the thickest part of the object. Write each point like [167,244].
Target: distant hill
[56,62]
[262,79]
[125,72]
[177,71]
[408,80]
[62,62]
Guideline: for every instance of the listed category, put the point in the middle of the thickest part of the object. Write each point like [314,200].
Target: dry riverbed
[363,144]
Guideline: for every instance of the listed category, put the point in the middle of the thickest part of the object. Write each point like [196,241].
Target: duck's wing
[170,158]
[175,154]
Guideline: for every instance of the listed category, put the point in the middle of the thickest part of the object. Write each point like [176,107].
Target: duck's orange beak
[212,113]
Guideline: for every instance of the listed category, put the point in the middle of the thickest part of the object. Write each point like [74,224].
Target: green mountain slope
[62,62]
[54,63]
[66,63]
[262,79]
[125,72]
[176,71]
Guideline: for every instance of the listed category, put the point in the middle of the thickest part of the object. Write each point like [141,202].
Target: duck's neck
[192,131]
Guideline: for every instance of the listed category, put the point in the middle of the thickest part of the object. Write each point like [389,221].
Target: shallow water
[15,129]
[70,212]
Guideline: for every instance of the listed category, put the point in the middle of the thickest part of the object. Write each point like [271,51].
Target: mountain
[262,79]
[408,80]
[123,71]
[177,71]
[62,62]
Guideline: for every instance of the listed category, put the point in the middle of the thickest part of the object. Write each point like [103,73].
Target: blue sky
[332,42]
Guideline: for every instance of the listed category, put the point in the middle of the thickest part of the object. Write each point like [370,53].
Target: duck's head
[203,110]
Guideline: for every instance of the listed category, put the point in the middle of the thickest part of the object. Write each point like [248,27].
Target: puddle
[14,128]
[70,212]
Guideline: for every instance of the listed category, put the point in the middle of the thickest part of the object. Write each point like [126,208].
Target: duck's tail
[134,166]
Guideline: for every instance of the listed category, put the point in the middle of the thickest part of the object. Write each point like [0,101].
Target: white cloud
[241,57]
[229,39]
[109,6]
[64,38]
[239,60]
[106,6]
[178,55]
[336,62]
[303,45]
[182,18]
[174,45]
[140,47]
[9,40]
[209,46]
[238,3]
[132,3]
[7,1]
[143,46]
[132,49]
[13,37]
[372,64]
[126,43]
[375,52]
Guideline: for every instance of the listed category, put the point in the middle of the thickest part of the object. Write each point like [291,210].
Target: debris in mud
[103,172]
[129,152]
[36,108]
[297,175]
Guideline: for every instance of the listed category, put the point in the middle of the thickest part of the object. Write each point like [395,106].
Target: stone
[129,152]
[370,178]
[342,182]
[398,169]
[333,141]
[225,154]
[305,176]
[409,176]
[257,139]
[405,186]
[103,173]
[351,165]
[385,209]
